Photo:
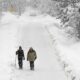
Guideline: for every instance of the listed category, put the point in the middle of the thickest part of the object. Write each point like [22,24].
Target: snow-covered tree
[13,5]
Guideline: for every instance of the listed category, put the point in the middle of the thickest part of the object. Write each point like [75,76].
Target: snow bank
[67,50]
[8,18]
[8,41]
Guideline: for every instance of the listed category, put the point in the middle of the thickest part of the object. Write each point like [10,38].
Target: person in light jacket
[31,57]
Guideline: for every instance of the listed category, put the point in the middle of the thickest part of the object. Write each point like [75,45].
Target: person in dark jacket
[21,57]
[31,57]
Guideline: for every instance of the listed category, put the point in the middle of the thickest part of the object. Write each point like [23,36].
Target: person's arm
[23,53]
[16,52]
[35,55]
[27,55]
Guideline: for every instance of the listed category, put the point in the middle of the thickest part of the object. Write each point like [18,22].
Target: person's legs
[32,65]
[20,64]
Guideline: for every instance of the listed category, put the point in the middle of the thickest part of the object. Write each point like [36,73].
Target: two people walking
[31,57]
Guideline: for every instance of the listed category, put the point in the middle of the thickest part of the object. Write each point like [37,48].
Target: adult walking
[21,57]
[31,57]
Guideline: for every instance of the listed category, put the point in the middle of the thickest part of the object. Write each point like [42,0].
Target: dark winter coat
[20,54]
[31,55]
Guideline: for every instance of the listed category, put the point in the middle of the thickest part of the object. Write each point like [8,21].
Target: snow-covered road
[27,32]
[46,66]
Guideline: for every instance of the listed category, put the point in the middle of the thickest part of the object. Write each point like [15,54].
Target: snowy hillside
[51,27]
[68,51]
[43,33]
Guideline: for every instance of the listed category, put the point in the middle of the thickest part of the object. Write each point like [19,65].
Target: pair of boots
[31,65]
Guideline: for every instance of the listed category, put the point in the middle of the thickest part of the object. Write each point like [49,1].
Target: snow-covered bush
[45,6]
[65,10]
[70,19]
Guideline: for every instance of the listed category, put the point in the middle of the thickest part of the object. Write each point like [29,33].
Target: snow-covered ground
[28,31]
[68,51]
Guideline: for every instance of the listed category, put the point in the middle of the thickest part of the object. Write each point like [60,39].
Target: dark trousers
[20,63]
[32,65]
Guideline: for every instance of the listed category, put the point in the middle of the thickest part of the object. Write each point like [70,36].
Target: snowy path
[28,32]
[46,66]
